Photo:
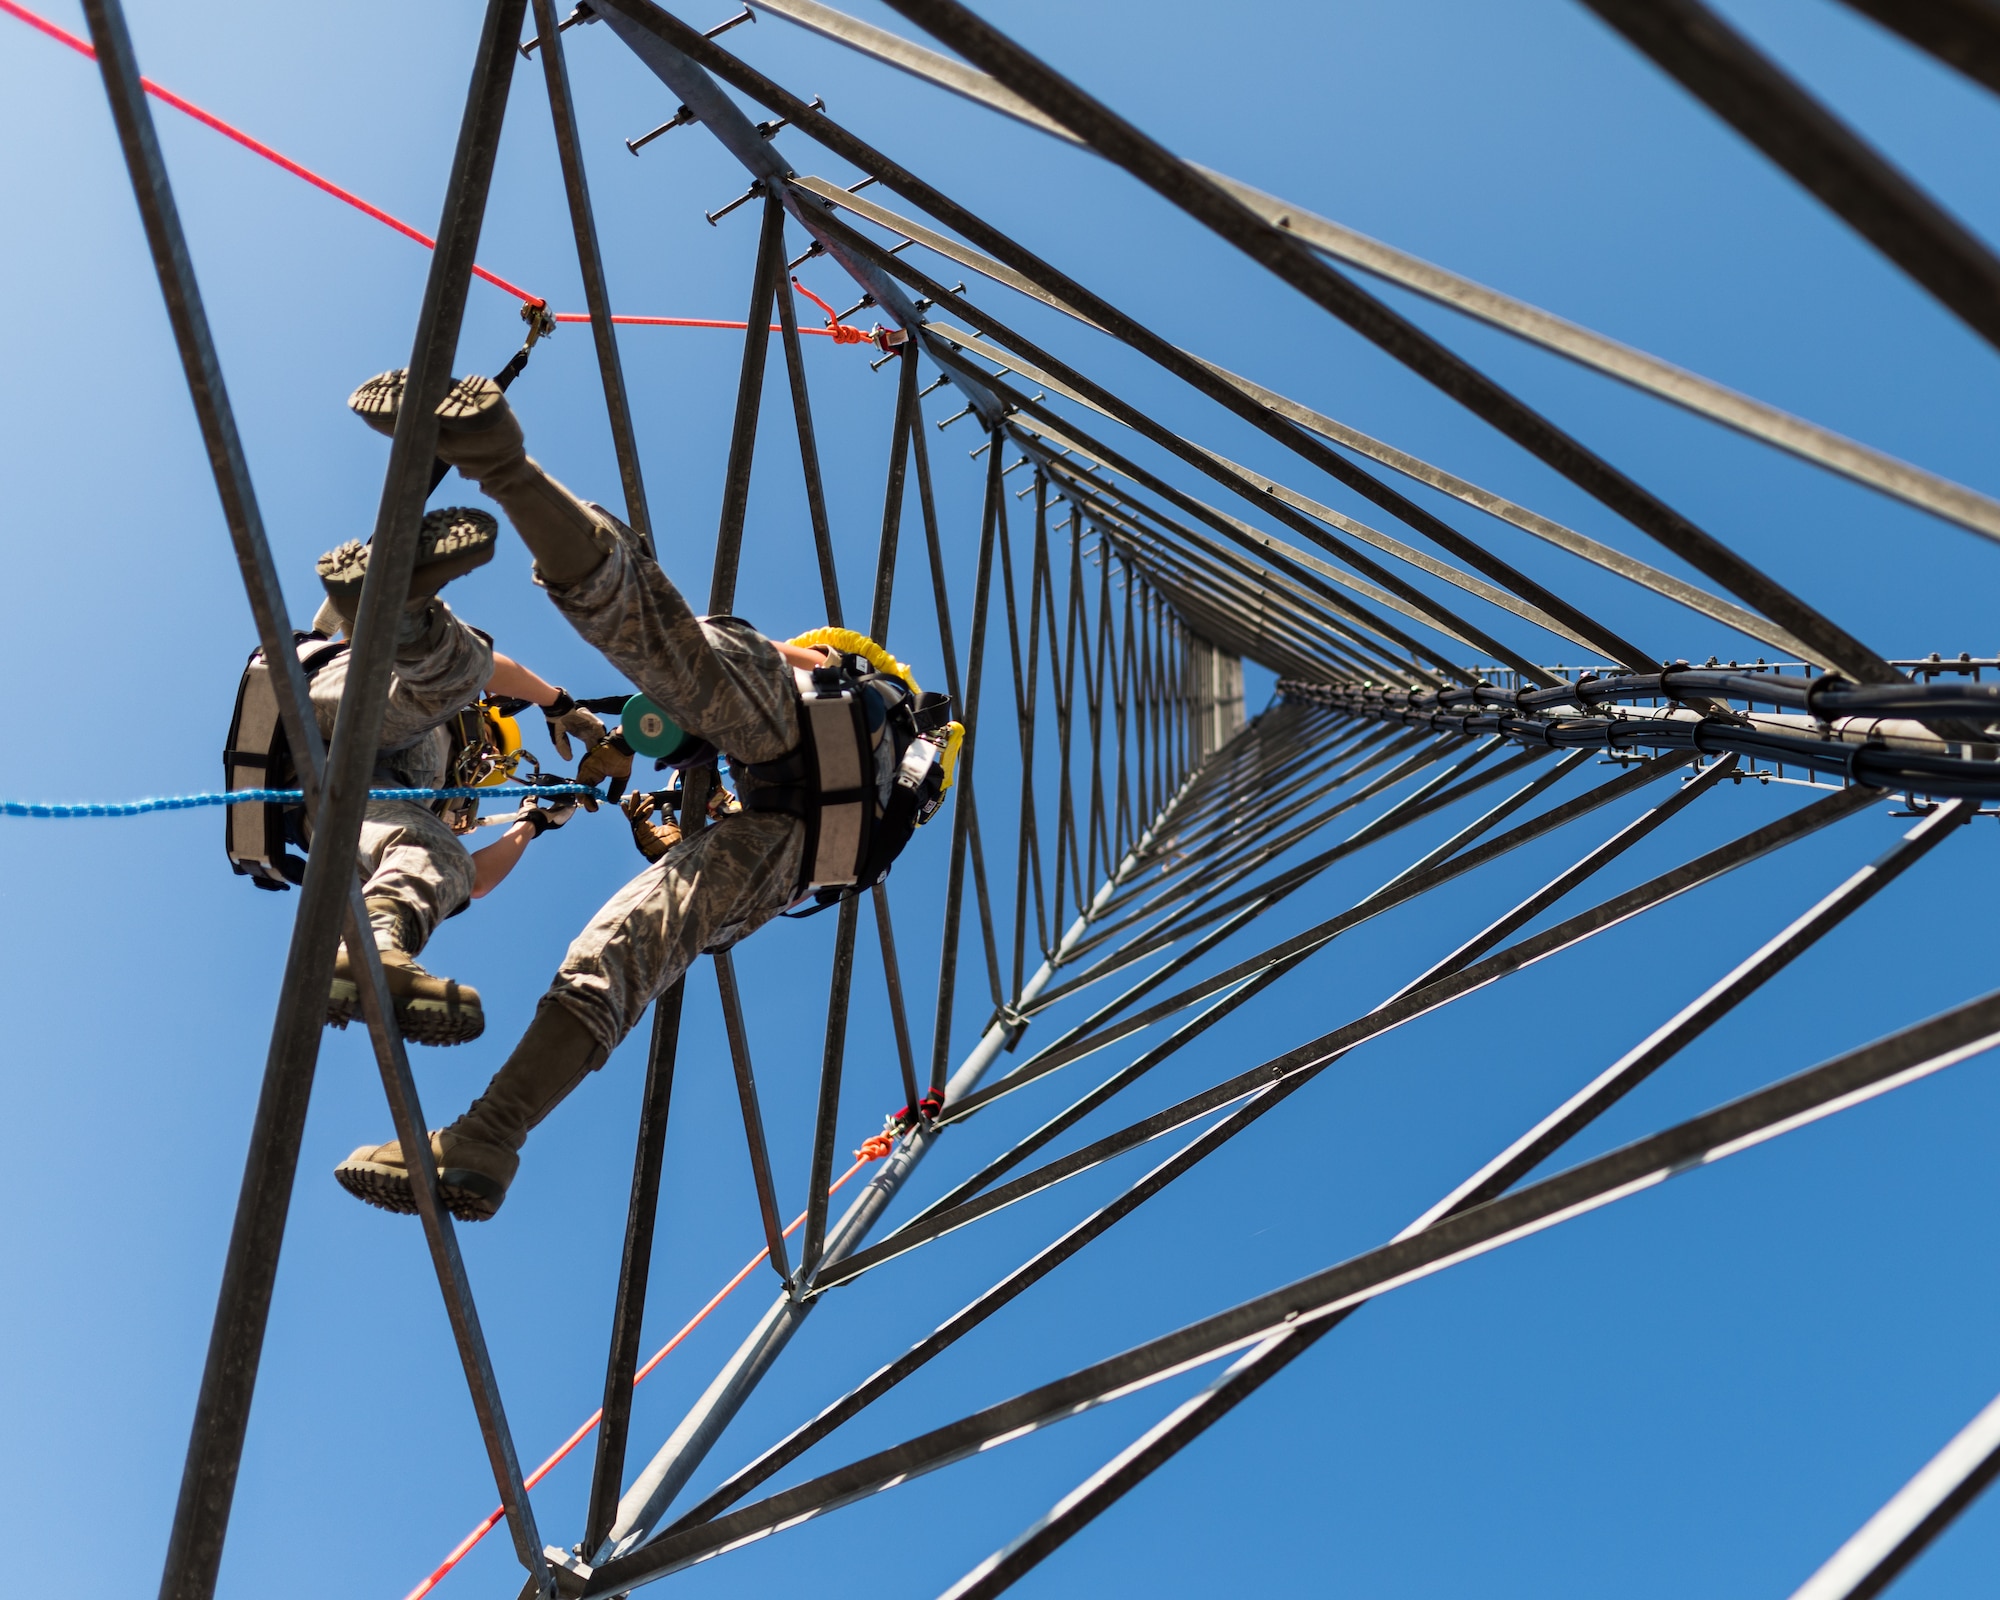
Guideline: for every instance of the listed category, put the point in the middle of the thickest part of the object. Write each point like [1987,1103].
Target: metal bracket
[570,1571]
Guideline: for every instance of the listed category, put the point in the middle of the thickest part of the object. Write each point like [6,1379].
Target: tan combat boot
[450,543]
[429,1010]
[478,1155]
[479,434]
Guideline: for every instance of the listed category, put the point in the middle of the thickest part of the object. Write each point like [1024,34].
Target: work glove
[608,758]
[544,817]
[652,839]
[566,717]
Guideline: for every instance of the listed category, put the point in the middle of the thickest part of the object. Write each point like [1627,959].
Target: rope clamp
[540,320]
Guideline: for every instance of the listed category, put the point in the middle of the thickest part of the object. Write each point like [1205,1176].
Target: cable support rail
[1883,753]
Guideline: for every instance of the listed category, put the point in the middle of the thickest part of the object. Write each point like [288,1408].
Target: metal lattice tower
[1170,823]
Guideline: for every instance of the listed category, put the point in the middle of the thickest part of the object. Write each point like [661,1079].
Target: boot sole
[469,1196]
[419,1021]
[453,541]
[377,401]
[471,405]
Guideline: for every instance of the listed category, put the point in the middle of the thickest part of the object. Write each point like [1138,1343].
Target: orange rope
[208,119]
[866,1154]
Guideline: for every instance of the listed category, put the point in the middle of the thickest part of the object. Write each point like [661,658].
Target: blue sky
[1702,1389]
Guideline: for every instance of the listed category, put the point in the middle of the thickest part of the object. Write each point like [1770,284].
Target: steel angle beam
[1372,630]
[1399,461]
[1255,585]
[644,1506]
[1620,908]
[660,41]
[1837,1085]
[1822,447]
[1914,1517]
[1106,1028]
[336,786]
[913,58]
[1188,1421]
[1009,1287]
[1723,69]
[1291,261]
[1431,526]
[590,263]
[1961,32]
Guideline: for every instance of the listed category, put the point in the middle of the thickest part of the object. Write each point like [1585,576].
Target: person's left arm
[565,716]
[517,682]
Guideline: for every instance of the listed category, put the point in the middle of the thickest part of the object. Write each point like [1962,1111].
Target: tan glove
[652,839]
[608,758]
[565,717]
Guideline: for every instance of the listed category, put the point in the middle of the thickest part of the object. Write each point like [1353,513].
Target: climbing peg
[679,119]
[769,129]
[582,13]
[744,198]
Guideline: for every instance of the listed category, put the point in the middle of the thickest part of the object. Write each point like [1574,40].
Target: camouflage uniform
[721,680]
[408,854]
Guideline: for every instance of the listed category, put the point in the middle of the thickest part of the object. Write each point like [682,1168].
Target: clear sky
[1703,1390]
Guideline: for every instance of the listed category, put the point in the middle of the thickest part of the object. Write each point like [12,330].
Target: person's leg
[478,434]
[415,874]
[719,678]
[706,892]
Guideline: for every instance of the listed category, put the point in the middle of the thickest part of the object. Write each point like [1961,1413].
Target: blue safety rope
[184,802]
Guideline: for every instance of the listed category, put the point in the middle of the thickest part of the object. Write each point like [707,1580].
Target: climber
[835,754]
[415,870]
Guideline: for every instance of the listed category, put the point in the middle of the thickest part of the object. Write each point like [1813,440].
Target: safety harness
[258,755]
[485,750]
[485,739]
[873,763]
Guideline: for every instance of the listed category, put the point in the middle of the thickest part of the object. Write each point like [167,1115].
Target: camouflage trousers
[410,856]
[721,680]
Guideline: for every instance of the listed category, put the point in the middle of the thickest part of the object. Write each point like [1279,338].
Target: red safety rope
[832,316]
[867,1153]
[208,119]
